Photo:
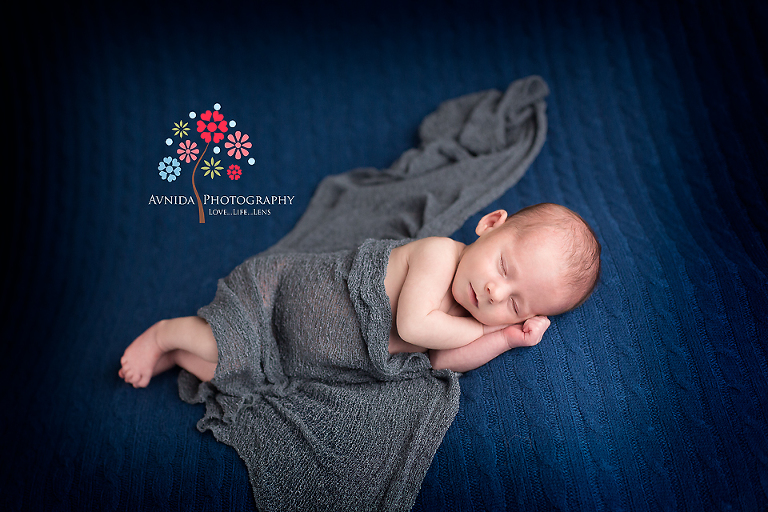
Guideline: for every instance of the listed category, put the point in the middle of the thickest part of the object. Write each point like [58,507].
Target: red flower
[234,172]
[208,125]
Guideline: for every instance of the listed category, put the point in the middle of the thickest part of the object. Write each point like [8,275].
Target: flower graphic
[212,167]
[181,129]
[188,151]
[211,126]
[214,130]
[237,145]
[234,172]
[169,168]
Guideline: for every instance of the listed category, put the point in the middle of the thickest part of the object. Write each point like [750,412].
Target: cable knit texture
[651,396]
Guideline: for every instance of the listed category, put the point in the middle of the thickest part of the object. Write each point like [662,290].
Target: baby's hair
[580,246]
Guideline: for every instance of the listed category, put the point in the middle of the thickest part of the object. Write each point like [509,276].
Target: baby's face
[504,278]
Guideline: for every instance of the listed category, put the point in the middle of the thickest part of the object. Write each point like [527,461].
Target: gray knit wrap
[305,389]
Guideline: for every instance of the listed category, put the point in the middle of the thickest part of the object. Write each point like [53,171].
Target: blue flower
[169,168]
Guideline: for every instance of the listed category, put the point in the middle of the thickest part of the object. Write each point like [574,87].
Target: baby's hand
[527,334]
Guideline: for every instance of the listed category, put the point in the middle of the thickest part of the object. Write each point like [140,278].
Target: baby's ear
[491,221]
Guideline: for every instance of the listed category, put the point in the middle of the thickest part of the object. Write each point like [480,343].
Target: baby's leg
[196,365]
[149,351]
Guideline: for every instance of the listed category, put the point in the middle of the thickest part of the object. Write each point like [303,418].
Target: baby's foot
[140,358]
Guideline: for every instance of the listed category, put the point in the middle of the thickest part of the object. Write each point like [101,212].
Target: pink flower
[237,145]
[188,151]
[208,125]
[234,172]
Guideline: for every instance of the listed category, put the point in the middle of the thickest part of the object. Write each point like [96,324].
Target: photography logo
[198,146]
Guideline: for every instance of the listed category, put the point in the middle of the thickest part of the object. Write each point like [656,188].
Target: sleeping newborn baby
[463,304]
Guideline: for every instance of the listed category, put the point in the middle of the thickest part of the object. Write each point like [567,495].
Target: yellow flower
[180,129]
[212,167]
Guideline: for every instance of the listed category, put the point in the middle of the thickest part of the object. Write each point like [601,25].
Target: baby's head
[543,260]
[573,240]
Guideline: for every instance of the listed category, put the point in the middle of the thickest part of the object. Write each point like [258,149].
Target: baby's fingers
[534,329]
[537,323]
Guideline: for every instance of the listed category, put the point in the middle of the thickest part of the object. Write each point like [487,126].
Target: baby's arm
[431,265]
[489,346]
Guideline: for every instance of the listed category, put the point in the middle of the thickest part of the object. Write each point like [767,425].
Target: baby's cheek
[496,320]
[507,317]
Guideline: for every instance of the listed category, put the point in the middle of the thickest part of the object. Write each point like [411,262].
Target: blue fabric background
[652,396]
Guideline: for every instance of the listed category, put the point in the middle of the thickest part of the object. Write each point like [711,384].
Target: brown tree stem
[201,215]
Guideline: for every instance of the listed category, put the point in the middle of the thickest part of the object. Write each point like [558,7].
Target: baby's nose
[495,292]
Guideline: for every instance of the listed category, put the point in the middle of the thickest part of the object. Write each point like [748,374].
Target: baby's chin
[467,308]
[465,301]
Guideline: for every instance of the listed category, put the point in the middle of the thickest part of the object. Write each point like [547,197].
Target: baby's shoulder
[433,249]
[440,244]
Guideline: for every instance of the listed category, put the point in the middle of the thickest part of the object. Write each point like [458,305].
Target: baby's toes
[142,381]
[130,376]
